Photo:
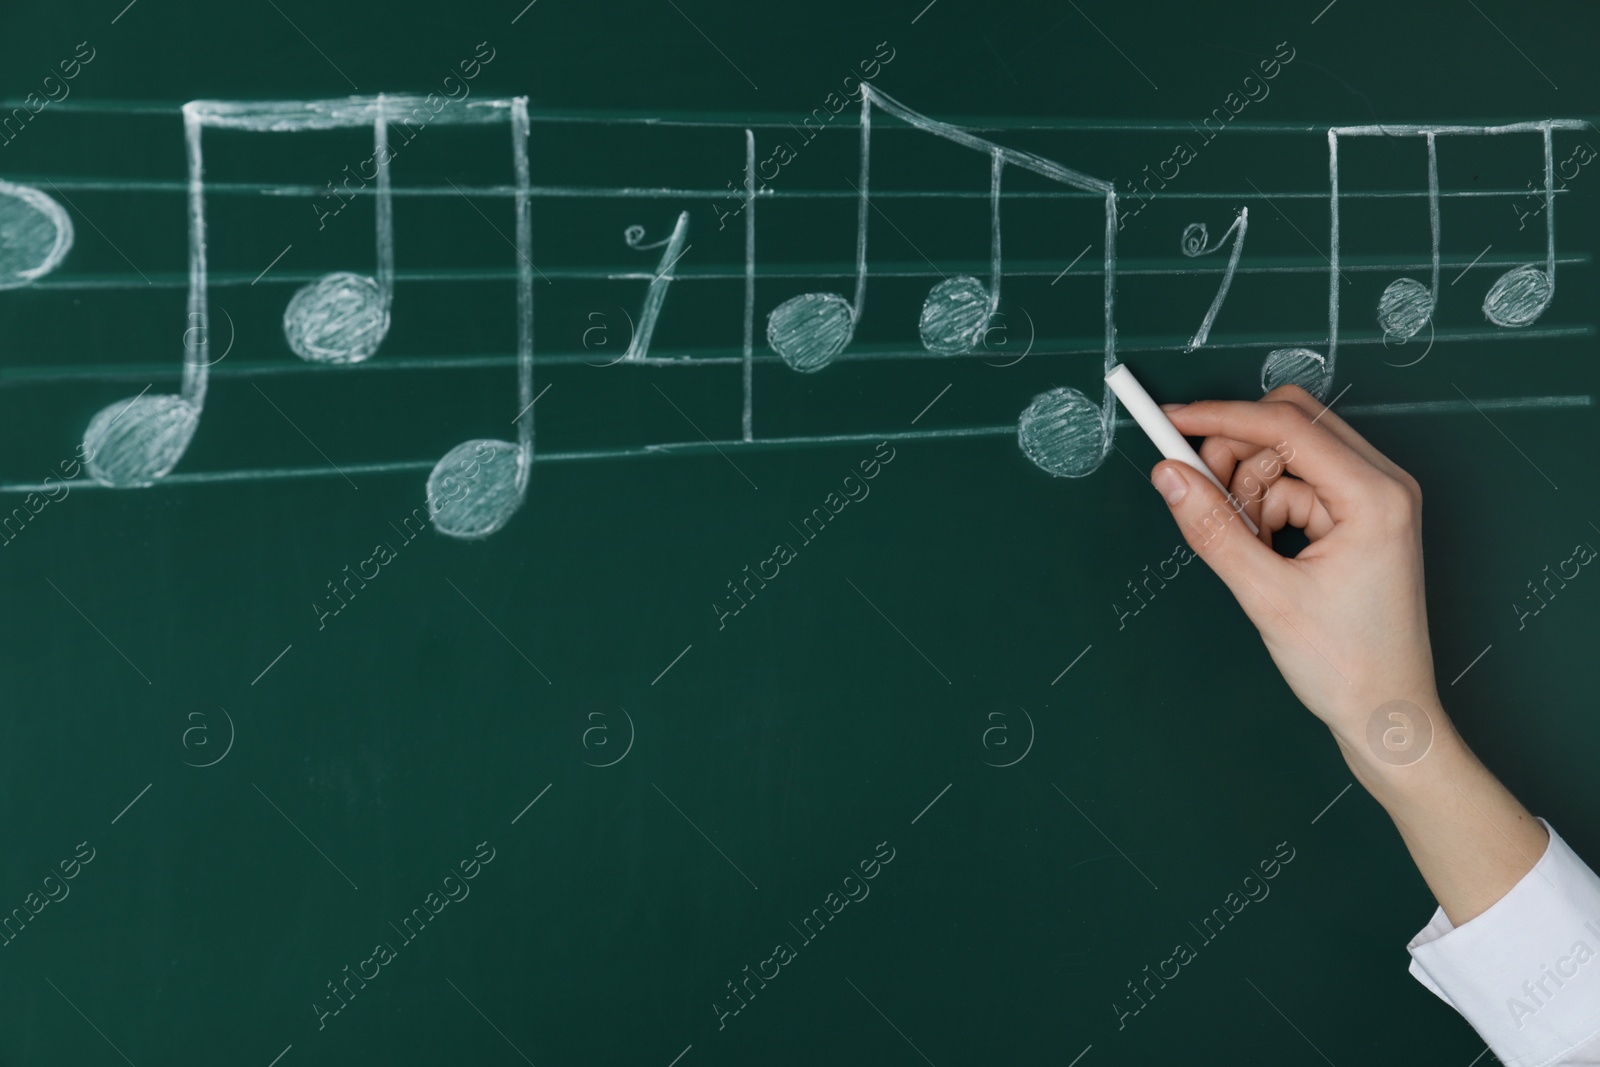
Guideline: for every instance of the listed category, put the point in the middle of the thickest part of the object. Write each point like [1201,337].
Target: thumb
[1213,529]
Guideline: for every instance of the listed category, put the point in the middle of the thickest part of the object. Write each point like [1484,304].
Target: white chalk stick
[1165,436]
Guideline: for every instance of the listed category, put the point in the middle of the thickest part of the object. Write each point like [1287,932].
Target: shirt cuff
[1526,973]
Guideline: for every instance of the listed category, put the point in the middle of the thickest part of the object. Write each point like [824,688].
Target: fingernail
[1172,407]
[1170,484]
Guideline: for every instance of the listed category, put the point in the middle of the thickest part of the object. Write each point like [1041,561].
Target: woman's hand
[1345,620]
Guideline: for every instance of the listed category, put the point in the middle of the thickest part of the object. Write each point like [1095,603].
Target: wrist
[1404,749]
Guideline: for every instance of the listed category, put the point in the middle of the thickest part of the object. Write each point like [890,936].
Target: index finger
[1314,453]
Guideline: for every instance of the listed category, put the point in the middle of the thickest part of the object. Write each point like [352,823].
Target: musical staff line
[17,376]
[1129,268]
[680,448]
[694,120]
[288,189]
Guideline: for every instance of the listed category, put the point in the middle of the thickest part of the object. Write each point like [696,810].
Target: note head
[1519,296]
[35,234]
[809,330]
[955,316]
[134,443]
[476,488]
[1296,366]
[1404,308]
[1063,433]
[339,318]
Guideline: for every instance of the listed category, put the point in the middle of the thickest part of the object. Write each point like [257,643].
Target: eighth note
[809,330]
[1406,306]
[955,317]
[132,443]
[1520,295]
[344,317]
[478,485]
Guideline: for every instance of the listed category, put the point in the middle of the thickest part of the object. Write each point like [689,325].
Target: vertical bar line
[1333,253]
[749,282]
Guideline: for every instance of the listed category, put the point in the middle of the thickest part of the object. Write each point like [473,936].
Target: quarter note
[1407,305]
[1521,294]
[135,441]
[344,317]
[1194,244]
[1306,367]
[478,485]
[809,330]
[956,314]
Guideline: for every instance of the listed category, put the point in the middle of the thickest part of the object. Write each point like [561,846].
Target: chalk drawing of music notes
[478,485]
[341,318]
[1193,244]
[35,234]
[957,311]
[1521,295]
[344,317]
[656,296]
[809,330]
[136,441]
[956,314]
[475,489]
[1518,298]
[1061,431]
[1407,305]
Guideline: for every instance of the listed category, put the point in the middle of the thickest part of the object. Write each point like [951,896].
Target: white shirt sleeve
[1526,973]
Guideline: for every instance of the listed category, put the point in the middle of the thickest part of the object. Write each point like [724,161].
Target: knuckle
[1396,505]
[1292,394]
[1290,416]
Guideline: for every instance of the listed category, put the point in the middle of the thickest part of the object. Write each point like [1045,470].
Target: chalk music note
[136,441]
[1062,431]
[472,494]
[1517,298]
[956,314]
[343,317]
[1521,294]
[1193,245]
[809,330]
[1407,305]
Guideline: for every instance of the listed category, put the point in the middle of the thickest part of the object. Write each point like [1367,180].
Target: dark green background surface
[809,730]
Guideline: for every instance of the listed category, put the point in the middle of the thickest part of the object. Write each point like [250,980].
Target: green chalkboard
[523,542]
